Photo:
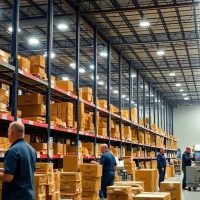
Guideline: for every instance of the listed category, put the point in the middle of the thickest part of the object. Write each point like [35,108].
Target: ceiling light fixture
[103,54]
[181,90]
[64,78]
[100,82]
[160,52]
[184,94]
[72,65]
[33,41]
[127,99]
[132,102]
[186,98]
[81,70]
[178,85]
[91,66]
[62,27]
[133,75]
[172,74]
[115,91]
[144,23]
[10,29]
[52,55]
[92,77]
[123,96]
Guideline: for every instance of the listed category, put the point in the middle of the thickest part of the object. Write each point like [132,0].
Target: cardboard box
[91,170]
[71,163]
[149,177]
[86,90]
[71,187]
[38,146]
[40,179]
[87,97]
[72,176]
[50,179]
[45,168]
[40,190]
[37,70]
[141,183]
[71,196]
[65,85]
[24,64]
[50,189]
[152,196]
[58,148]
[30,99]
[37,60]
[119,192]
[174,188]
[91,184]
[90,195]
[33,110]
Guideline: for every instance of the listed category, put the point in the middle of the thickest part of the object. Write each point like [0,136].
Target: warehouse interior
[82,73]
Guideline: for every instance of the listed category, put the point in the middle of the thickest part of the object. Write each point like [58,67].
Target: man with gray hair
[19,166]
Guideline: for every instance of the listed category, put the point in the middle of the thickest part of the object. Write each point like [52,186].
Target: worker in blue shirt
[161,165]
[19,166]
[108,163]
[187,159]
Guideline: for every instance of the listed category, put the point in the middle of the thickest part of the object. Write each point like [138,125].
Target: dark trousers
[161,175]
[107,180]
[184,178]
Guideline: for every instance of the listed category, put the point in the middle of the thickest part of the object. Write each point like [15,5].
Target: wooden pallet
[37,119]
[40,76]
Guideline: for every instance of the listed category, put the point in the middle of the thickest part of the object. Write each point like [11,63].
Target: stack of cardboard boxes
[32,106]
[71,185]
[63,111]
[90,148]
[87,94]
[170,172]
[115,131]
[127,133]
[149,177]
[153,196]
[4,56]
[91,177]
[37,68]
[47,182]
[4,98]
[174,188]
[119,192]
[24,64]
[130,166]
[102,126]
[134,136]
[67,86]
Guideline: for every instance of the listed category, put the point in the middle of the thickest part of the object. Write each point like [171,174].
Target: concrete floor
[193,195]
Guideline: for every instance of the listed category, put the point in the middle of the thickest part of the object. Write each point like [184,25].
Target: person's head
[104,148]
[188,149]
[162,150]
[15,131]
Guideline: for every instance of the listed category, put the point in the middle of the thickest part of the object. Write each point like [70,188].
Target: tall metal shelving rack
[19,79]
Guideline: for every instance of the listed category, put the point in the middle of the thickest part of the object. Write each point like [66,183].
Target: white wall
[187,125]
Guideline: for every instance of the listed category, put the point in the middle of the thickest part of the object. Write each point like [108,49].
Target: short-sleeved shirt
[161,161]
[108,161]
[19,161]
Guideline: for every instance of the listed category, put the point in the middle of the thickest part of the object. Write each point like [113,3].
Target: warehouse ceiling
[158,38]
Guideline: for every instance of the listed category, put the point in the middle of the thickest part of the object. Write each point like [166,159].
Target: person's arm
[6,177]
[159,161]
[10,165]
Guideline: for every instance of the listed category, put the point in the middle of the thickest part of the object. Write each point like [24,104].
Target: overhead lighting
[10,29]
[64,78]
[100,82]
[184,94]
[160,52]
[127,99]
[103,54]
[181,90]
[186,98]
[144,86]
[144,23]
[52,55]
[133,75]
[132,102]
[123,96]
[172,74]
[115,91]
[33,41]
[151,95]
[62,27]
[81,70]
[92,77]
[91,66]
[72,65]
[178,85]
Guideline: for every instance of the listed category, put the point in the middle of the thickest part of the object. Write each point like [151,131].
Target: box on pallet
[65,85]
[149,177]
[37,60]
[91,170]
[45,168]
[71,163]
[152,196]
[91,184]
[119,192]
[174,188]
